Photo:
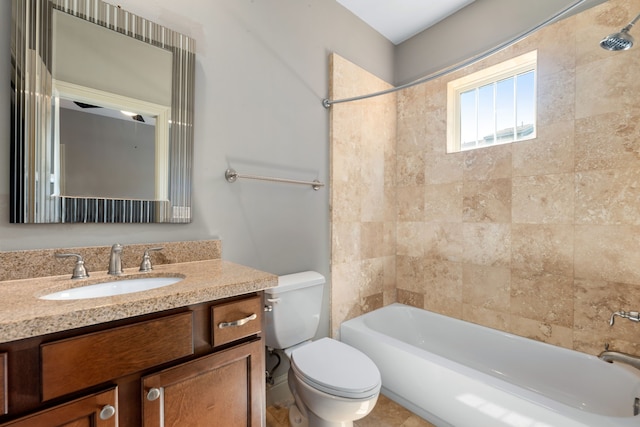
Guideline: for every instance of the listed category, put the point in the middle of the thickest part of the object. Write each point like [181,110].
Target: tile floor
[386,414]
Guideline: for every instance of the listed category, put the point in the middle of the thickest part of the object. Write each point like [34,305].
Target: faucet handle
[634,316]
[145,265]
[79,270]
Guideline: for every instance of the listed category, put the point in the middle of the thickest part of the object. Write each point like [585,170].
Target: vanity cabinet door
[96,410]
[222,389]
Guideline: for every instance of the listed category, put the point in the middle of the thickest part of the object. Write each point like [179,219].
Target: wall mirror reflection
[102,115]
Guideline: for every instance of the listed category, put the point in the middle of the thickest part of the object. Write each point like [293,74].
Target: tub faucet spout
[618,356]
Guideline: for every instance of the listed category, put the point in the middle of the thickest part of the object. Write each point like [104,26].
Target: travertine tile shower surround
[363,198]
[540,238]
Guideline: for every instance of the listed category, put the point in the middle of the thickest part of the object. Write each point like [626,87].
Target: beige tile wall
[363,200]
[540,238]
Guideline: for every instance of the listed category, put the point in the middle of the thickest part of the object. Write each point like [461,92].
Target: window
[493,106]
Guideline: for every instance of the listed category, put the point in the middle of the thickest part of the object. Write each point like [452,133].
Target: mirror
[102,115]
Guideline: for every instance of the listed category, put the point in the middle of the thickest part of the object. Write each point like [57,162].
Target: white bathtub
[456,373]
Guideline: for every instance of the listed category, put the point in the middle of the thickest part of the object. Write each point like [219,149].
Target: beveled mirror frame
[31,194]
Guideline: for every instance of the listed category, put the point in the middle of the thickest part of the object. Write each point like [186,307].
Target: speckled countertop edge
[24,315]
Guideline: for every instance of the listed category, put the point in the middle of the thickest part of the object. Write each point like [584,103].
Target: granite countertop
[24,315]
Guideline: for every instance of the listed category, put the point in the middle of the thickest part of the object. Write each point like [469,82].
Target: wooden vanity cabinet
[3,383]
[162,369]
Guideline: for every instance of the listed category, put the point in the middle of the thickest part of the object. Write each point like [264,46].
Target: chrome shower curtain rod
[327,103]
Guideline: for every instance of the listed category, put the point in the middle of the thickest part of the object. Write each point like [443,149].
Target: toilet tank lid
[293,281]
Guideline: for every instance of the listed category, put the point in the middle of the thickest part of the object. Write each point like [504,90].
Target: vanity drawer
[97,410]
[235,320]
[3,384]
[75,363]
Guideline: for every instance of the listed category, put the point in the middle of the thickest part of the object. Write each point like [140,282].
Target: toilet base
[296,419]
[315,421]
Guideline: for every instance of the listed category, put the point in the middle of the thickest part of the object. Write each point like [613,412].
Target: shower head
[621,40]
[617,41]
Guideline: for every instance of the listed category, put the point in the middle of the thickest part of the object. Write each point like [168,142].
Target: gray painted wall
[261,74]
[262,71]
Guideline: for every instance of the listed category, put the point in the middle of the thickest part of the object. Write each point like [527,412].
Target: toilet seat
[337,369]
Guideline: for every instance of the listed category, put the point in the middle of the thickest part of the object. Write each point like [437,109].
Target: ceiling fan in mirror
[134,116]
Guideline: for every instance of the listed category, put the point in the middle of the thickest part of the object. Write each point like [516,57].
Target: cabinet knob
[107,412]
[153,394]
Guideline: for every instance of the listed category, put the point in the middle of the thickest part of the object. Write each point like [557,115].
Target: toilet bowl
[333,384]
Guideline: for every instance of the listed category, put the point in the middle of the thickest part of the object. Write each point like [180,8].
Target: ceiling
[399,20]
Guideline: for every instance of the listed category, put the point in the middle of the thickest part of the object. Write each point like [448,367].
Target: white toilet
[332,383]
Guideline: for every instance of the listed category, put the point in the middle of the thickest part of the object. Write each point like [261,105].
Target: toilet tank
[296,303]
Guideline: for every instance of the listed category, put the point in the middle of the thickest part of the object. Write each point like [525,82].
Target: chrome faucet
[115,260]
[618,356]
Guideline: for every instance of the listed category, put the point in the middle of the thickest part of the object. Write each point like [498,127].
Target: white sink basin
[116,287]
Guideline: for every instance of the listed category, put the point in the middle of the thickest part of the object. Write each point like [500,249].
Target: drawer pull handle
[240,322]
[107,412]
[153,394]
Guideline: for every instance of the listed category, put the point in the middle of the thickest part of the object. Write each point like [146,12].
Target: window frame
[504,70]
